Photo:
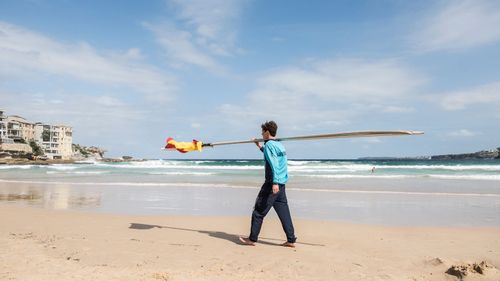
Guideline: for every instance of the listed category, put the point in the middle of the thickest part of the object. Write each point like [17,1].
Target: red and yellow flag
[183,146]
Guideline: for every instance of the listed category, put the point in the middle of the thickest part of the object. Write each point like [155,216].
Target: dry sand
[38,244]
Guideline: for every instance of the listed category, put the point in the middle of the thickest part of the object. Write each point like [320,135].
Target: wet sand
[391,207]
[44,244]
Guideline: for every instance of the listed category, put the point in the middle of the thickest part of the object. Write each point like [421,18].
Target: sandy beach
[41,244]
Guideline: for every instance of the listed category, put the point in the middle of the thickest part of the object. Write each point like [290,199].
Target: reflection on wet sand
[17,197]
[60,196]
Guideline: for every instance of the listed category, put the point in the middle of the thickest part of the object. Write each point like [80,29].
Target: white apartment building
[56,140]
[16,133]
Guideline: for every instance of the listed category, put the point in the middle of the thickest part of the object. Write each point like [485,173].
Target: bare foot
[288,244]
[247,241]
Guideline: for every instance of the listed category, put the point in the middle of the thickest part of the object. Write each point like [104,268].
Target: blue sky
[127,74]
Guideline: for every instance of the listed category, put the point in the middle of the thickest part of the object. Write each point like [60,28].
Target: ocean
[389,192]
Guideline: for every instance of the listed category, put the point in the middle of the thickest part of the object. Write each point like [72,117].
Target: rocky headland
[484,154]
[480,155]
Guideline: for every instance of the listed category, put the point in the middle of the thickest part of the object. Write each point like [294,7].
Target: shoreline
[73,245]
[412,204]
[24,161]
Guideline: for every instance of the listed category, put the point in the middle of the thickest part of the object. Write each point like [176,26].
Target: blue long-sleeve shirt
[276,162]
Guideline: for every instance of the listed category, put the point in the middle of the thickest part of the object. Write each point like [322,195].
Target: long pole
[359,134]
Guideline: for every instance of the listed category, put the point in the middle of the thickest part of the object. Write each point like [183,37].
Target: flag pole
[359,134]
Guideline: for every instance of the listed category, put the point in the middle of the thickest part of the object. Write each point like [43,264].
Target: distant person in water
[272,193]
[373,170]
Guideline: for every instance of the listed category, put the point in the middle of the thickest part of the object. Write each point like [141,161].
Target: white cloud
[134,53]
[56,101]
[108,101]
[213,22]
[329,93]
[202,32]
[398,109]
[179,47]
[24,52]
[460,24]
[486,94]
[463,133]
[345,78]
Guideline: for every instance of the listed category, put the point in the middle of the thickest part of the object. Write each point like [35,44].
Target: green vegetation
[82,150]
[37,150]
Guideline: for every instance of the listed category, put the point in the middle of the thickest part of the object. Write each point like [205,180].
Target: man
[272,192]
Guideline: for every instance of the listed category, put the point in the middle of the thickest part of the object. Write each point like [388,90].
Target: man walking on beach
[272,192]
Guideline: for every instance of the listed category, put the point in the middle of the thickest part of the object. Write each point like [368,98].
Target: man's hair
[270,126]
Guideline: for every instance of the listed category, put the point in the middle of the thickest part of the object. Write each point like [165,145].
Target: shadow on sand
[216,234]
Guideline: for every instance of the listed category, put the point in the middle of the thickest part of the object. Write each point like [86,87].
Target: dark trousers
[265,200]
